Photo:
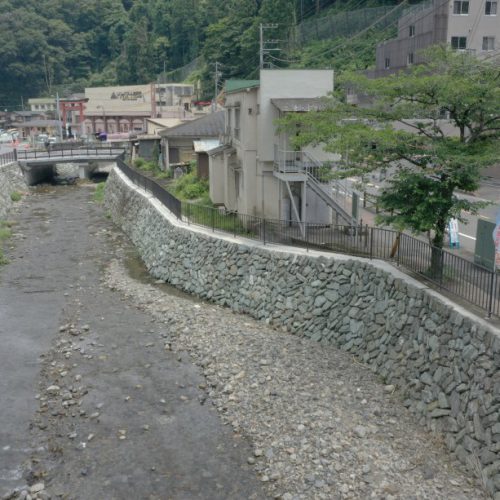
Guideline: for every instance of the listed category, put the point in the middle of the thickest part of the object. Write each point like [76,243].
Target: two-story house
[256,171]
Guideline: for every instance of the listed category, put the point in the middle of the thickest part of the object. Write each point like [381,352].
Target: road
[489,191]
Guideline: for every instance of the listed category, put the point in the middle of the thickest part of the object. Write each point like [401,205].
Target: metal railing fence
[9,157]
[471,282]
[150,185]
[90,151]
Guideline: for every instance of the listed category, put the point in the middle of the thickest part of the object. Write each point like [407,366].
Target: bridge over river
[39,165]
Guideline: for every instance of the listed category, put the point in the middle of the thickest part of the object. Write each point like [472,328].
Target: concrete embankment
[11,180]
[443,361]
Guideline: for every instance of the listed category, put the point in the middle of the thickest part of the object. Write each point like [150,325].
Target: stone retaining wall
[11,179]
[442,361]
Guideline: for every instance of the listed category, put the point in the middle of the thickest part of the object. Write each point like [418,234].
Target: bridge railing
[9,157]
[90,151]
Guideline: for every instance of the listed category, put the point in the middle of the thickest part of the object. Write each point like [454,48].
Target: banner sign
[453,233]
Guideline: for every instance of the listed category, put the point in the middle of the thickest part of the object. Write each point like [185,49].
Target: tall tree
[403,128]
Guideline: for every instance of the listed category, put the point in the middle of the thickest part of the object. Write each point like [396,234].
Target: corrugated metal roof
[300,104]
[211,125]
[238,85]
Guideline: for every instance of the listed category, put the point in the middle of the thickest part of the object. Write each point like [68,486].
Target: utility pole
[261,45]
[59,117]
[217,76]
[266,46]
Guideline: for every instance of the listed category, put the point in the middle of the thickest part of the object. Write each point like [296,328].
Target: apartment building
[472,25]
[43,104]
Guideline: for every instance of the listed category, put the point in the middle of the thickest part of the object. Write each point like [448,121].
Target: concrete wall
[443,361]
[280,84]
[475,25]
[11,179]
[437,24]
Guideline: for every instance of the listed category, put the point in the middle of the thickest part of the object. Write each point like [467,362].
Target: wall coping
[296,251]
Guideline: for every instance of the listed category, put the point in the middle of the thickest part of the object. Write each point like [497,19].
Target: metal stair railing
[316,187]
[313,169]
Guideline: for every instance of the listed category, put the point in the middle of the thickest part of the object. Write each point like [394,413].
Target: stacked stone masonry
[444,364]
[11,179]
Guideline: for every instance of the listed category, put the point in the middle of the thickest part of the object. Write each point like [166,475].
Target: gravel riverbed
[132,389]
[322,426]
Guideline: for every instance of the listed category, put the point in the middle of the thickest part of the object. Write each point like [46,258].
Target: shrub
[15,196]
[189,187]
[139,162]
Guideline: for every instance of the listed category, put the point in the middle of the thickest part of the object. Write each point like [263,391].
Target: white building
[256,171]
[124,109]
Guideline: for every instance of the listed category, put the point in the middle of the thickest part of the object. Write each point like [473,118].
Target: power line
[412,21]
[342,44]
[266,46]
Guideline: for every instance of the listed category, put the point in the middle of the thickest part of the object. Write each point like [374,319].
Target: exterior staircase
[317,187]
[313,172]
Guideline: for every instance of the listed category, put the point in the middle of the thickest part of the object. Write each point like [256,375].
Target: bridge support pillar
[85,170]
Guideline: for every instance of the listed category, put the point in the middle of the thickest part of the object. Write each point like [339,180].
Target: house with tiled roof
[178,143]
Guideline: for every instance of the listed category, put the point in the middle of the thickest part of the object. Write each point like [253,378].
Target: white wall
[286,83]
[475,25]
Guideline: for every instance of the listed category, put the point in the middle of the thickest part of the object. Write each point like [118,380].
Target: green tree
[402,130]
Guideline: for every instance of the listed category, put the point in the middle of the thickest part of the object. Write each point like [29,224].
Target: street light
[103,117]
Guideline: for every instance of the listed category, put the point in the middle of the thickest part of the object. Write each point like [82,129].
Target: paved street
[489,191]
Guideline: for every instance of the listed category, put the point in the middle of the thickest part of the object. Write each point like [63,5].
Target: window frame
[493,5]
[487,39]
[458,38]
[460,10]
[387,63]
[410,58]
[411,30]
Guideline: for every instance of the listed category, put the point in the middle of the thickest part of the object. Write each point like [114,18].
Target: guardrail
[6,158]
[89,151]
[471,282]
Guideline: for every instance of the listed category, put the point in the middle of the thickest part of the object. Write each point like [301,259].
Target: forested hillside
[49,45]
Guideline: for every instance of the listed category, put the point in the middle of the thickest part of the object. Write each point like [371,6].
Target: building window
[387,64]
[491,8]
[410,58]
[488,43]
[228,125]
[412,30]
[461,7]
[237,123]
[459,42]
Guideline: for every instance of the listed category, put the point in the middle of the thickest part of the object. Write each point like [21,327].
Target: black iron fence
[150,185]
[471,282]
[9,157]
